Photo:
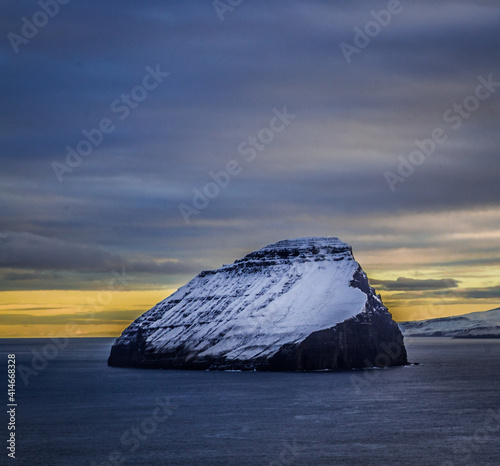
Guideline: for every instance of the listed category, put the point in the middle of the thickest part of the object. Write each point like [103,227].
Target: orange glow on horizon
[72,313]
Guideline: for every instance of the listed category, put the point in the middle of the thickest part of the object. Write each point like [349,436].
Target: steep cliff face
[302,304]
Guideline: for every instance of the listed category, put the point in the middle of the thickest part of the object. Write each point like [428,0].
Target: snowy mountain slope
[474,325]
[244,313]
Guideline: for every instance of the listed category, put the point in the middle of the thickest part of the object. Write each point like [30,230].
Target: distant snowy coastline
[484,324]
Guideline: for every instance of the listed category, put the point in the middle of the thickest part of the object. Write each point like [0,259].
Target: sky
[144,142]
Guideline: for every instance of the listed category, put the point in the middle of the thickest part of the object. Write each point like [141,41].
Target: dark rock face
[373,340]
[248,316]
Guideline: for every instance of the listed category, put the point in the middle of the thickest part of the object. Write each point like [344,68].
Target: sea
[72,409]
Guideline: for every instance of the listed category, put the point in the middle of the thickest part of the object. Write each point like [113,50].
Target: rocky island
[296,305]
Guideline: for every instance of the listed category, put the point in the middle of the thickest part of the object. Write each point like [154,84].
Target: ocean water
[74,410]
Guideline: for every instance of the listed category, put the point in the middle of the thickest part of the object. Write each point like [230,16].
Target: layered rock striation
[302,304]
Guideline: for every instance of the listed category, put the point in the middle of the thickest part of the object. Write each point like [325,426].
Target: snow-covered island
[301,304]
[485,324]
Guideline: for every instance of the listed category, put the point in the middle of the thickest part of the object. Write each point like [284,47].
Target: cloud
[29,251]
[492,292]
[413,284]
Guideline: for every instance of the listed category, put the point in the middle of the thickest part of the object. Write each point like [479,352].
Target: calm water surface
[78,411]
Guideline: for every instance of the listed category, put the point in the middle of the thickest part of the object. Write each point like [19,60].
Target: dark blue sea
[74,410]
